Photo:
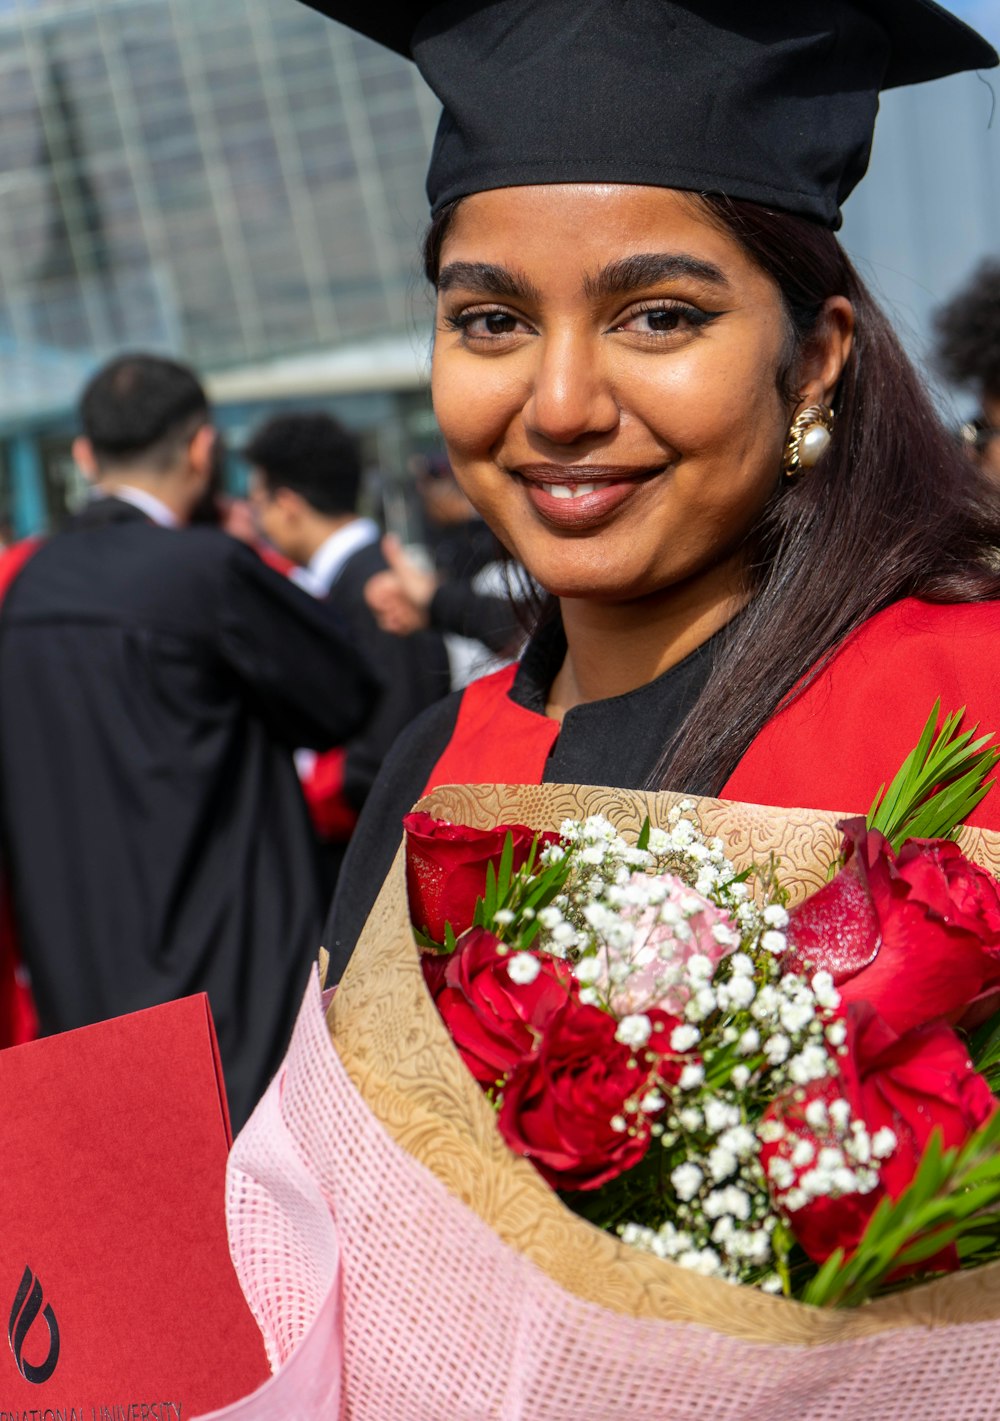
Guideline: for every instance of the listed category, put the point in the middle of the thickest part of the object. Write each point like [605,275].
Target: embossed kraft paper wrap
[399,1055]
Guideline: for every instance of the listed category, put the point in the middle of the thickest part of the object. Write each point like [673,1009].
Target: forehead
[559,234]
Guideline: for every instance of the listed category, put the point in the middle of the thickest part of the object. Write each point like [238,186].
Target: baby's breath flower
[840,1114]
[634,1030]
[587,970]
[777,1048]
[824,991]
[811,1064]
[836,1033]
[683,1037]
[720,1115]
[721,1163]
[741,991]
[692,1076]
[687,1180]
[883,1142]
[523,968]
[816,1114]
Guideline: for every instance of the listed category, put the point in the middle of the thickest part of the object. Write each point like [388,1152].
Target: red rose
[563,1104]
[917,935]
[492,1019]
[911,1084]
[446,868]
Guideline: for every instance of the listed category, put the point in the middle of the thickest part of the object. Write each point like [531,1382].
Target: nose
[571,396]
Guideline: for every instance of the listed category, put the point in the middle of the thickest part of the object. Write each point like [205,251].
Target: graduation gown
[152,686]
[412,672]
[830,746]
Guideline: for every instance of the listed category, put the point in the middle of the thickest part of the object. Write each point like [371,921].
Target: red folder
[117,1291]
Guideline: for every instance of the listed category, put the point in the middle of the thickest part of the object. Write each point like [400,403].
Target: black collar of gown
[618,741]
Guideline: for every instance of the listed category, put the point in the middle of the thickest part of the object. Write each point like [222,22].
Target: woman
[664,387]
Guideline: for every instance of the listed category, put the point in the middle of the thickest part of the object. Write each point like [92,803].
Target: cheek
[714,409]
[475,401]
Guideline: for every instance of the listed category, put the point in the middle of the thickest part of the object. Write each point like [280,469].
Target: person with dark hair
[968,354]
[470,593]
[663,385]
[154,685]
[305,482]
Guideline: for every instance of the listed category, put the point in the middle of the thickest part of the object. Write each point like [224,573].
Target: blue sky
[983,14]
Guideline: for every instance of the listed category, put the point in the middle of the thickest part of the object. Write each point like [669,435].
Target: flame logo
[27,1305]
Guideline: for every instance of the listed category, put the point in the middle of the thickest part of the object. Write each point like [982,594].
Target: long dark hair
[894,508]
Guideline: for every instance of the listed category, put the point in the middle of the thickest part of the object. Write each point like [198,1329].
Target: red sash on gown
[831,747]
[18,1018]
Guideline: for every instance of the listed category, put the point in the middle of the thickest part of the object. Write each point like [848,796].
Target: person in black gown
[305,483]
[153,683]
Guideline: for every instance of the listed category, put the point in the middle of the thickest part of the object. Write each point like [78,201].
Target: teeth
[569,490]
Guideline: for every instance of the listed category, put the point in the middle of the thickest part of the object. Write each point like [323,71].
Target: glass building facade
[230,178]
[227,180]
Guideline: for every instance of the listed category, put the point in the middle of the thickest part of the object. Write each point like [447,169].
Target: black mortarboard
[771,100]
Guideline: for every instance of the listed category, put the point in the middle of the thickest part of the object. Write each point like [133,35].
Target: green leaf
[506,870]
[939,783]
[954,1199]
[643,840]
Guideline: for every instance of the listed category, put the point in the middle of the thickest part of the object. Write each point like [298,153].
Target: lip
[615,485]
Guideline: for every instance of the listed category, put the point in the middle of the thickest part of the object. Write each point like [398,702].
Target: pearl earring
[808,439]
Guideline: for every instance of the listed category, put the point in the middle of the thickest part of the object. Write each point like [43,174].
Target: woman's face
[605,375]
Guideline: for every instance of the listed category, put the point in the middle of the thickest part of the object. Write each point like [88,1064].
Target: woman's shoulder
[912,620]
[847,730]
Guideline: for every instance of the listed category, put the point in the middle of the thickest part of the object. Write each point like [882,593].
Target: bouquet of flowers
[749,1091]
[403,1259]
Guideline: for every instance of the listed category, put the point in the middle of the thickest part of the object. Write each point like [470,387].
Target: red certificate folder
[117,1291]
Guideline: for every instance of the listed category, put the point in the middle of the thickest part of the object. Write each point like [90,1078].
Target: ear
[85,459]
[201,450]
[291,504]
[822,361]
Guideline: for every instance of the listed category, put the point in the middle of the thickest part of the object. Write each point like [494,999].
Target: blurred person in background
[471,592]
[154,684]
[305,484]
[968,354]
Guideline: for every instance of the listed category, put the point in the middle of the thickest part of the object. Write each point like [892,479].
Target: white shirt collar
[146,502]
[327,562]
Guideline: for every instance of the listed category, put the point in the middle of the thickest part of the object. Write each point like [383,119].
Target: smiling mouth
[562,482]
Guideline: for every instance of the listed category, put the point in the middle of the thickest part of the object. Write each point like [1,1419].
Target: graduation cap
[770,100]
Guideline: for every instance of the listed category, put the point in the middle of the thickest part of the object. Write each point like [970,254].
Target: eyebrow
[490,279]
[648,269]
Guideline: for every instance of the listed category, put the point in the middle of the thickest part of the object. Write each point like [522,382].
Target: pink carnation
[667,935]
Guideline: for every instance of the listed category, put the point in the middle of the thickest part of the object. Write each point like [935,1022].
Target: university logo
[27,1306]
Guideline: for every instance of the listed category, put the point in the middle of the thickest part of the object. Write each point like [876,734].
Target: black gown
[152,686]
[413,672]
[618,742]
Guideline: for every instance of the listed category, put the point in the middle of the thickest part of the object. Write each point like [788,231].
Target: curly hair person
[968,332]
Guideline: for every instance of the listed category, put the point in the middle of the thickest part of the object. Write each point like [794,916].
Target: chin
[582,588]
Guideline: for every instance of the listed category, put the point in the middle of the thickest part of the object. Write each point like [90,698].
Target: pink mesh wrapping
[383,1298]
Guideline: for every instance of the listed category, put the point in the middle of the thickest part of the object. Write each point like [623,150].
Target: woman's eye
[486,325]
[664,320]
